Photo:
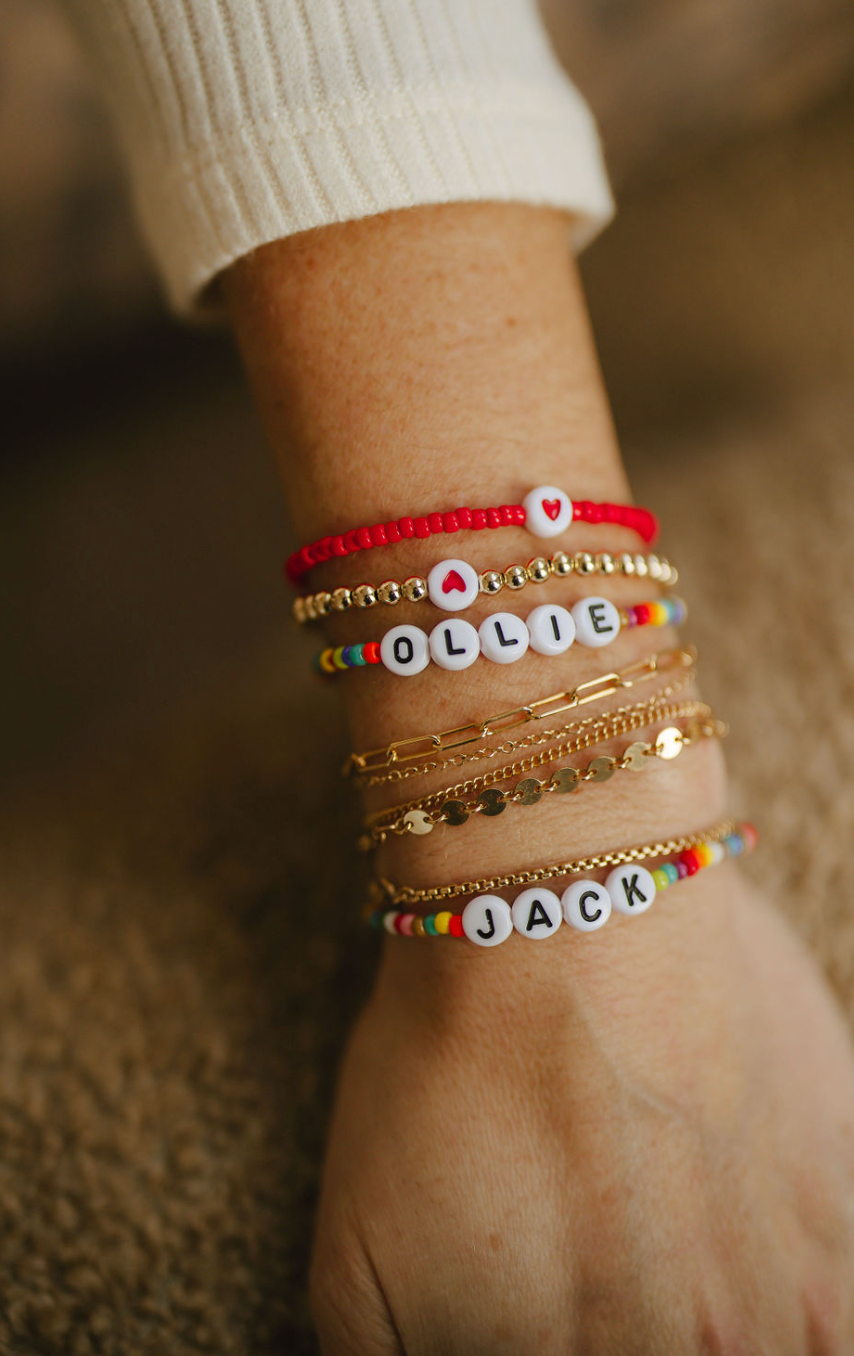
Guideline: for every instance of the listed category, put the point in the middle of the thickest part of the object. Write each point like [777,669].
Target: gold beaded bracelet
[313,606]
[421,818]
[378,766]
[385,892]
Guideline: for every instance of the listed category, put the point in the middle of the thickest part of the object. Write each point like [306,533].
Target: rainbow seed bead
[664,612]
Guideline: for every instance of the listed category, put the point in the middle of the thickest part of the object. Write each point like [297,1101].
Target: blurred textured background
[167,1040]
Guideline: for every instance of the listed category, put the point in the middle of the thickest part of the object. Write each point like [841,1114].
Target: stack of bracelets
[453,585]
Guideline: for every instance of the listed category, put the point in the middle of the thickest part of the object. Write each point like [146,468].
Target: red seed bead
[337,547]
[363,538]
[478,519]
[435,522]
[749,834]
[463,516]
[691,861]
[407,528]
[351,539]
[455,926]
[641,614]
[507,515]
[378,536]
[397,921]
[449,521]
[392,532]
[371,652]
[422,527]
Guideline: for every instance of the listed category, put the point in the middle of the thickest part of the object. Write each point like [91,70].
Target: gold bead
[562,564]
[323,604]
[299,610]
[654,569]
[414,588]
[538,570]
[515,576]
[626,563]
[389,592]
[310,609]
[585,563]
[363,595]
[641,567]
[606,562]
[491,581]
[341,600]
[672,574]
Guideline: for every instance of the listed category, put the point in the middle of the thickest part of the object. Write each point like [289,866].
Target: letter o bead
[586,905]
[536,913]
[487,920]
[454,644]
[503,637]
[631,888]
[404,650]
[597,622]
[551,629]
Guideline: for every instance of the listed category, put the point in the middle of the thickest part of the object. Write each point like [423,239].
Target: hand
[646,1152]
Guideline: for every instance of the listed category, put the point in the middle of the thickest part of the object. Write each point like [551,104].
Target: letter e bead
[597,622]
[487,920]
[631,888]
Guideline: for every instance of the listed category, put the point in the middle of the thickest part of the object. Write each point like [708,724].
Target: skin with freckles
[635,1141]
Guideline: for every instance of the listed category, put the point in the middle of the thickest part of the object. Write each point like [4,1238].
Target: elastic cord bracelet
[545,511]
[586,905]
[384,764]
[502,638]
[422,818]
[453,584]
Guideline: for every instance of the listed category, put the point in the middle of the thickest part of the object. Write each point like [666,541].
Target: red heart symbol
[453,580]
[552,507]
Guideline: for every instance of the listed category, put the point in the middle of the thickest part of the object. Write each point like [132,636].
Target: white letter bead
[597,622]
[586,905]
[631,888]
[548,511]
[453,585]
[536,913]
[404,650]
[503,637]
[551,629]
[487,920]
[454,644]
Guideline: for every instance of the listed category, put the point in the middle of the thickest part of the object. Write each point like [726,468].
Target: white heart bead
[551,629]
[454,644]
[536,913]
[597,622]
[548,511]
[487,920]
[404,650]
[631,888]
[503,637]
[586,905]
[453,585]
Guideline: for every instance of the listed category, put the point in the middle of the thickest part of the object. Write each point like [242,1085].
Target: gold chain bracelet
[422,817]
[313,606]
[385,892]
[383,764]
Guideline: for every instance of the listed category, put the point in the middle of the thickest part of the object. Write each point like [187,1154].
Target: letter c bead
[487,920]
[586,905]
[536,913]
[404,650]
[454,644]
[631,888]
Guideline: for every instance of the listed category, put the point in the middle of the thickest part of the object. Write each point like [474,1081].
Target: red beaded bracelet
[546,512]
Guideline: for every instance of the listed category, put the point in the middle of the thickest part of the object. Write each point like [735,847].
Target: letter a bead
[503,637]
[404,650]
[536,913]
[487,920]
[631,888]
[586,905]
[551,629]
[454,644]
[597,622]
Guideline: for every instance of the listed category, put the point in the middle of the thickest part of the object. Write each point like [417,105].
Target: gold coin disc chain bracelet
[537,912]
[452,584]
[421,818]
[393,762]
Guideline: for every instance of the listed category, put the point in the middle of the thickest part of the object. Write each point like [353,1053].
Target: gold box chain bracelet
[383,762]
[419,819]
[390,592]
[385,892]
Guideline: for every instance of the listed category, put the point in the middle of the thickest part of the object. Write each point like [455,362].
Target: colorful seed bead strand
[420,819]
[503,638]
[377,765]
[586,905]
[545,511]
[415,589]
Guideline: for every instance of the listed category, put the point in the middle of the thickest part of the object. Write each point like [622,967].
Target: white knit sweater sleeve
[244,121]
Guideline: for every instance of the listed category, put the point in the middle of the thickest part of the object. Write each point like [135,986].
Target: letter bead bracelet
[545,511]
[502,638]
[586,905]
[454,584]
